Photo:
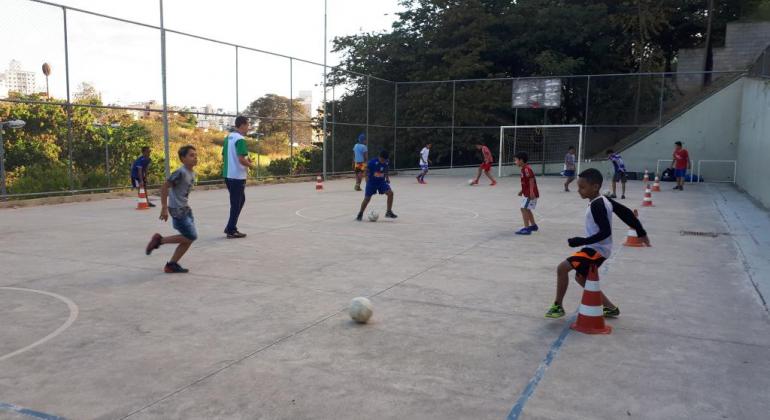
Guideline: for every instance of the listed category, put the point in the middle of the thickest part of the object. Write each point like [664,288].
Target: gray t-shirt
[181,184]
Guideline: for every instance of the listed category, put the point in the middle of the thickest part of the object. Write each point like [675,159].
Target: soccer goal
[546,145]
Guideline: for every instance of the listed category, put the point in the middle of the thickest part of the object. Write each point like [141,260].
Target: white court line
[74,311]
[474,215]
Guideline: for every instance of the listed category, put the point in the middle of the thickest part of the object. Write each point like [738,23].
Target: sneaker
[236,235]
[555,311]
[154,243]
[622,197]
[533,228]
[475,183]
[493,183]
[419,181]
[611,313]
[360,216]
[172,267]
[357,188]
[524,231]
[613,196]
[150,204]
[390,214]
[566,190]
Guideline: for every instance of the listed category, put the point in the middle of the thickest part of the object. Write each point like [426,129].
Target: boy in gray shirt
[173,197]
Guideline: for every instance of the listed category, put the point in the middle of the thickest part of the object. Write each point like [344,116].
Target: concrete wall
[754,140]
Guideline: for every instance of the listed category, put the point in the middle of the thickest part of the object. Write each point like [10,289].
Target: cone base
[644,204]
[633,244]
[587,330]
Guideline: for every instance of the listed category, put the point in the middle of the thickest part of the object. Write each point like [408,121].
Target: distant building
[207,121]
[148,108]
[306,97]
[17,80]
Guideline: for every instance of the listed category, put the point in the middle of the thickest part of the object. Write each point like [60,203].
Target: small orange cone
[647,201]
[319,183]
[632,239]
[656,184]
[646,178]
[141,201]
[590,319]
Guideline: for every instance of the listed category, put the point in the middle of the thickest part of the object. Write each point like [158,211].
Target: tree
[87,93]
[272,114]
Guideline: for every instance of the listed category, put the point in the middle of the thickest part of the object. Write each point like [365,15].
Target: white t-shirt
[603,247]
[424,156]
[235,145]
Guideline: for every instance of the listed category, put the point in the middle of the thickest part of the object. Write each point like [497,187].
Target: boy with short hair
[620,173]
[173,197]
[529,194]
[378,182]
[681,163]
[486,165]
[235,171]
[360,156]
[597,245]
[139,170]
[569,167]
[424,162]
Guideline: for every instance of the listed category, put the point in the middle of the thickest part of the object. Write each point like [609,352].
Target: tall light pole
[12,124]
[47,72]
[325,106]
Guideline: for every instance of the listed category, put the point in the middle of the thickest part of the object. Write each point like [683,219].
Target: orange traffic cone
[646,178]
[647,201]
[319,183]
[590,319]
[656,184]
[141,201]
[632,239]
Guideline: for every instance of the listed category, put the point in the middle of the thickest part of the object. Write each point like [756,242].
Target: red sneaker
[493,183]
[154,243]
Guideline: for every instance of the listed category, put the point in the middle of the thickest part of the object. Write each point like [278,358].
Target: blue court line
[540,372]
[27,412]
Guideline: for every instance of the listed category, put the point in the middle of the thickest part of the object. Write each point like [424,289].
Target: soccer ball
[373,216]
[470,182]
[607,193]
[360,310]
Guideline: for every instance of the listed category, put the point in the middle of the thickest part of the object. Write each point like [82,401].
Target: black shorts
[582,260]
[620,177]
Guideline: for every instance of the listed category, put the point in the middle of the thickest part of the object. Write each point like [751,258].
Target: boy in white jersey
[424,162]
[597,245]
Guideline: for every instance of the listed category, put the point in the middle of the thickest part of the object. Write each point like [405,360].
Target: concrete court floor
[258,329]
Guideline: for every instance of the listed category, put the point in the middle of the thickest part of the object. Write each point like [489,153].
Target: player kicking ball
[378,182]
[597,245]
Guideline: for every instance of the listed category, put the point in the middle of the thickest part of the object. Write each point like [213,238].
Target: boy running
[597,245]
[485,166]
[424,162]
[139,170]
[681,163]
[360,155]
[569,167]
[529,194]
[620,173]
[378,182]
[173,198]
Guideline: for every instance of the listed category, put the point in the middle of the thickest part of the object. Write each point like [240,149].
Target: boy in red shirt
[486,166]
[529,194]
[681,163]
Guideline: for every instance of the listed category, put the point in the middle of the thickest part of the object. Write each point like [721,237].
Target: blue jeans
[185,225]
[237,189]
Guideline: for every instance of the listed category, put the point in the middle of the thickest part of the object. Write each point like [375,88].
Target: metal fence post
[367,111]
[395,123]
[660,103]
[291,115]
[452,135]
[585,117]
[69,103]
[3,191]
[237,88]
[333,125]
[107,157]
[163,83]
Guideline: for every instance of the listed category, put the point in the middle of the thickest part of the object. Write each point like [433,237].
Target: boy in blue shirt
[139,170]
[360,155]
[378,182]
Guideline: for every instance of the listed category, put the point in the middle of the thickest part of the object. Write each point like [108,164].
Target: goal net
[546,146]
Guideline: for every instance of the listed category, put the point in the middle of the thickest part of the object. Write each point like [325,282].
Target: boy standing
[139,170]
[378,182]
[569,167]
[424,162]
[597,245]
[173,197]
[620,173]
[529,194]
[681,163]
[360,155]
[235,170]
[485,166]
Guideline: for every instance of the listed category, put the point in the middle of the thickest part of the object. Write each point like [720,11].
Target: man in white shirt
[424,162]
[235,170]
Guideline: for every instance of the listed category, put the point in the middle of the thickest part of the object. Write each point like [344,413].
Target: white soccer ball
[360,310]
[373,216]
[470,182]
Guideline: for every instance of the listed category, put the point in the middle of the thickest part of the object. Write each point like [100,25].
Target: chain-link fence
[74,142]
[761,67]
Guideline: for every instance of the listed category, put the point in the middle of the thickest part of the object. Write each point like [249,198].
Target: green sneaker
[612,313]
[555,311]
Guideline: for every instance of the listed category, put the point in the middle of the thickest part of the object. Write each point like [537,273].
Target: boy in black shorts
[597,245]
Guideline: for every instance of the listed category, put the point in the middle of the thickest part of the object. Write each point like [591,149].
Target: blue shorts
[185,225]
[569,174]
[376,187]
[424,168]
[680,173]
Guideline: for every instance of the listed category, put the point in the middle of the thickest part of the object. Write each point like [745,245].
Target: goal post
[546,145]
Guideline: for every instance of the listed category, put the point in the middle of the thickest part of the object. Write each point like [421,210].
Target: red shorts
[486,166]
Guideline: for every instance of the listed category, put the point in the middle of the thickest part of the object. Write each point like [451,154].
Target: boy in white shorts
[529,194]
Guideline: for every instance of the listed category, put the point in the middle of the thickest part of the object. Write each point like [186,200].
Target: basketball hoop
[535,104]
